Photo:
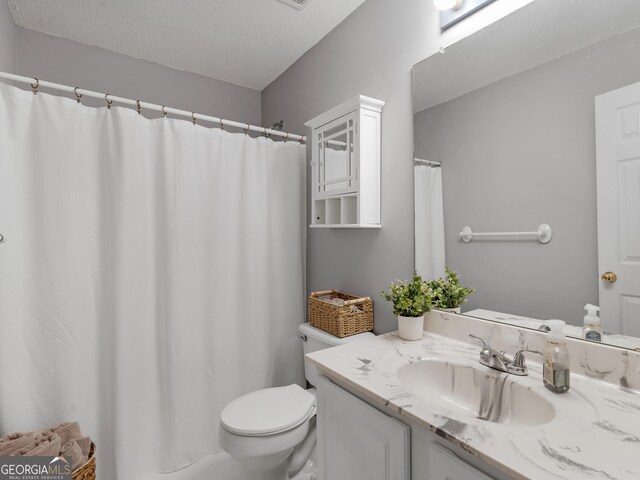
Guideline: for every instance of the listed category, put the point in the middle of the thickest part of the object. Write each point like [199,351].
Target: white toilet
[271,433]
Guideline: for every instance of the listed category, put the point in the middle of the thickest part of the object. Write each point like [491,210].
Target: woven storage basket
[88,470]
[355,316]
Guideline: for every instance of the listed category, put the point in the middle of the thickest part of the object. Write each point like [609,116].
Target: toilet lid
[268,411]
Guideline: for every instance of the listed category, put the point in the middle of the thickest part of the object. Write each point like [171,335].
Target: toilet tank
[315,339]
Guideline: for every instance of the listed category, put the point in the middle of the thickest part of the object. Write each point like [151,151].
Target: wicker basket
[355,316]
[88,470]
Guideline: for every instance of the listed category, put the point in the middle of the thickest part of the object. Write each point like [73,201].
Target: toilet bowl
[260,431]
[271,432]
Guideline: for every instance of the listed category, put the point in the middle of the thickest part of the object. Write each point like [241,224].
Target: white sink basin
[476,392]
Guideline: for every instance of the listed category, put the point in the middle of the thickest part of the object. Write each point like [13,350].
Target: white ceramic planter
[410,328]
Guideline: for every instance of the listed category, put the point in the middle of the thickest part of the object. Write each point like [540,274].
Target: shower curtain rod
[429,163]
[109,99]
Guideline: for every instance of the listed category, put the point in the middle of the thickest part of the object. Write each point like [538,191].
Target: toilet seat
[269,411]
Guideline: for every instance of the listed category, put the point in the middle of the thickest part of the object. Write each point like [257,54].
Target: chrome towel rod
[109,99]
[543,234]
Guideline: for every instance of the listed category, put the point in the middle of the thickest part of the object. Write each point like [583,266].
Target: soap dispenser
[592,329]
[556,365]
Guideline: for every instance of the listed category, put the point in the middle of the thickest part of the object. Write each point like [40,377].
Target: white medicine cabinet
[345,183]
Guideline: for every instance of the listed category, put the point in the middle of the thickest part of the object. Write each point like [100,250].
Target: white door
[357,441]
[618,181]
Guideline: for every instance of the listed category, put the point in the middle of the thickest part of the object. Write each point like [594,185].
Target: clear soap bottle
[592,328]
[556,366]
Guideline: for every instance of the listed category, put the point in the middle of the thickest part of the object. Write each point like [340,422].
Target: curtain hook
[78,96]
[221,125]
[109,102]
[193,117]
[138,106]
[34,88]
[246,130]
[164,112]
[285,138]
[265,132]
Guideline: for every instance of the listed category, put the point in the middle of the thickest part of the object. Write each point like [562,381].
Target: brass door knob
[609,277]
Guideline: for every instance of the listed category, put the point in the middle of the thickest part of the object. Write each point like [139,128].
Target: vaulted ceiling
[245,42]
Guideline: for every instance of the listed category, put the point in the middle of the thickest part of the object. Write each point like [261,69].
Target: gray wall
[71,63]
[7,39]
[370,53]
[518,153]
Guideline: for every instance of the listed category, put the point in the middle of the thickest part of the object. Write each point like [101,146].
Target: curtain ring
[285,138]
[164,112]
[265,132]
[109,102]
[221,125]
[246,130]
[78,96]
[34,88]
[193,117]
[138,106]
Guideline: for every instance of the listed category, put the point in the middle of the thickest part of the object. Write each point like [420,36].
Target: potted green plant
[447,293]
[411,300]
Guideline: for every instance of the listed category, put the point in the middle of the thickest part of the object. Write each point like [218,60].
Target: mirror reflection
[528,184]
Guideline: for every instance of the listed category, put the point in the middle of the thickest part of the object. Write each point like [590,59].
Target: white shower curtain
[429,222]
[152,272]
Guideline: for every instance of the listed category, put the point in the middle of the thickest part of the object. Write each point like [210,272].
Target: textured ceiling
[245,42]
[539,32]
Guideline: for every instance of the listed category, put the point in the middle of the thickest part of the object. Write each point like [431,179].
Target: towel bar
[543,234]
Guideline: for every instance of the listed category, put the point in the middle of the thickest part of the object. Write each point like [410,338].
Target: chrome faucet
[499,361]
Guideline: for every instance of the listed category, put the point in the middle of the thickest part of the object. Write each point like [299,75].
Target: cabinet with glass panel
[346,165]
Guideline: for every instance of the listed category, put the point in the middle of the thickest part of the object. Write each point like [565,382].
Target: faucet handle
[485,344]
[519,362]
[486,352]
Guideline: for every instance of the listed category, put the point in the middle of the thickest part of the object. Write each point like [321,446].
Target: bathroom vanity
[427,410]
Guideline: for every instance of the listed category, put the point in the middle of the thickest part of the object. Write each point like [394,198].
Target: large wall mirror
[515,127]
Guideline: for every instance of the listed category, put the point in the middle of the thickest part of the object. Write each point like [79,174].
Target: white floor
[221,466]
[212,467]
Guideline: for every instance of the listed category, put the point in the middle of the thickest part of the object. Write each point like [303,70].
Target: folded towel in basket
[12,436]
[42,438]
[64,439]
[73,449]
[67,431]
[85,445]
[49,448]
[15,441]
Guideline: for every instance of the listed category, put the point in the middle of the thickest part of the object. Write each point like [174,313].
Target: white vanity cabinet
[357,441]
[345,182]
[444,465]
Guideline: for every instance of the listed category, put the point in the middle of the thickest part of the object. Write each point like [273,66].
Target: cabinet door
[337,166]
[356,441]
[444,465]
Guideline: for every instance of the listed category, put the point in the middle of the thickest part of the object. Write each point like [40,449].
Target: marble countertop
[595,432]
